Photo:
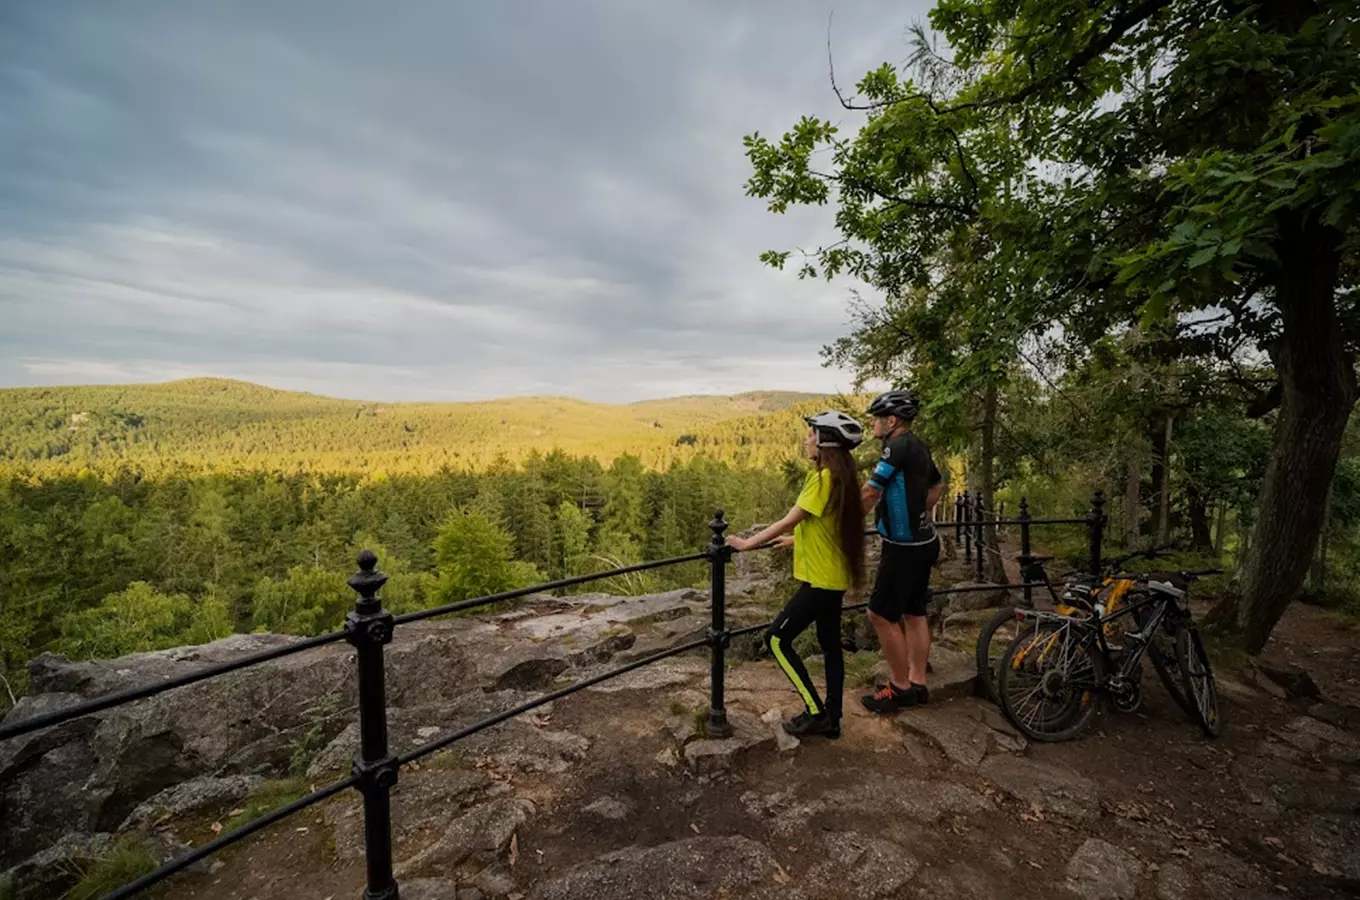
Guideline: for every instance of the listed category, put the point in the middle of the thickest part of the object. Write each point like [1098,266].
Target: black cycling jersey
[905,474]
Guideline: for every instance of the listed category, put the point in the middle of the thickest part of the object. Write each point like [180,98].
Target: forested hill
[209,424]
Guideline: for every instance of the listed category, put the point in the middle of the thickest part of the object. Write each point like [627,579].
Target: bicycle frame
[1096,624]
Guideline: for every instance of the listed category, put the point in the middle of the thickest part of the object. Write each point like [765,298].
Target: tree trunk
[1220,528]
[1157,434]
[1164,498]
[1319,388]
[1132,486]
[994,567]
[1200,538]
[1317,578]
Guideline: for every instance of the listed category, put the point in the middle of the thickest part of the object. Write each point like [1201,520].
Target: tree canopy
[1063,174]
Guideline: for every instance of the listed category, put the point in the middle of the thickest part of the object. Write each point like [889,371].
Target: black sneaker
[889,698]
[805,724]
[886,699]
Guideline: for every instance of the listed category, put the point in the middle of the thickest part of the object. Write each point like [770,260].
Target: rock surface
[90,774]
[1101,871]
[708,755]
[56,869]
[964,739]
[112,769]
[873,867]
[1044,787]
[430,889]
[192,796]
[421,801]
[612,808]
[479,834]
[695,869]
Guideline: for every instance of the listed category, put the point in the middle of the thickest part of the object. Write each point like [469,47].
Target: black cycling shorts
[902,584]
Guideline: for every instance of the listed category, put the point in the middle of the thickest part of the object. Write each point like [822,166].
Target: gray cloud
[415,200]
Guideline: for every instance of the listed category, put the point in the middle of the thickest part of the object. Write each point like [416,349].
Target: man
[902,490]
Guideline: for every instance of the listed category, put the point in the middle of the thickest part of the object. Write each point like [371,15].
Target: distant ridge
[220,424]
[771,399]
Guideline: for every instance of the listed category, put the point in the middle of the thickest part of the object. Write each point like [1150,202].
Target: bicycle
[997,633]
[1054,672]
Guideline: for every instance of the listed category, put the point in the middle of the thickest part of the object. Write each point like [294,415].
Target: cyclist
[827,522]
[903,489]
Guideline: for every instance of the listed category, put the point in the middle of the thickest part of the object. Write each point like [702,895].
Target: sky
[417,199]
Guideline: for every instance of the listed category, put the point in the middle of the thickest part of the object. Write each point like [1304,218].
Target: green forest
[96,567]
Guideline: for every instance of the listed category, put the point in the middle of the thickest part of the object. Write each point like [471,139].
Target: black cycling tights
[807,606]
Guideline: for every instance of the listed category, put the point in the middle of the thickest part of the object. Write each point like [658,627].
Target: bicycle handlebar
[1188,575]
[1150,553]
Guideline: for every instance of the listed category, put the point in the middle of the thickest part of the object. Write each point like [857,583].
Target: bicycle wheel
[1162,652]
[1048,681]
[1198,680]
[995,636]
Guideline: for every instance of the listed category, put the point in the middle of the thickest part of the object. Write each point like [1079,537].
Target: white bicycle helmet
[836,429]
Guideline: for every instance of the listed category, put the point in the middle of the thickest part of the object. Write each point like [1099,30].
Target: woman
[828,558]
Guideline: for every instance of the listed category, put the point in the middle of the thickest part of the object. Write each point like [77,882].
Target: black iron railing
[369,628]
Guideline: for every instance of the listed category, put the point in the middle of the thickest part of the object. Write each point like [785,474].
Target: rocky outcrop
[195,795]
[191,746]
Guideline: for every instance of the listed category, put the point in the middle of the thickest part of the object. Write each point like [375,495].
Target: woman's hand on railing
[739,544]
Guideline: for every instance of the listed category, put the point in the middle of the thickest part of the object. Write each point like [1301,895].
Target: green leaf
[1154,310]
[1203,256]
[1185,231]
[1336,211]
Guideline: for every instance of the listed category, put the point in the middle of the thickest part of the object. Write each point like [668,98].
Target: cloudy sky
[416,199]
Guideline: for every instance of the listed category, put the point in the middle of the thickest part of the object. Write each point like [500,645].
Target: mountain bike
[1058,666]
[998,632]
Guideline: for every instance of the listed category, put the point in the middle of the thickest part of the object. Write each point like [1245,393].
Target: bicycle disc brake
[1126,693]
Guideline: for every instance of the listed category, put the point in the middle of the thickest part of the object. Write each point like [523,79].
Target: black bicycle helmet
[902,404]
[836,429]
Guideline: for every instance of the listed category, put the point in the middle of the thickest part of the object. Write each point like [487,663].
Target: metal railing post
[719,554]
[1096,518]
[965,526]
[1026,556]
[958,518]
[981,539]
[368,628]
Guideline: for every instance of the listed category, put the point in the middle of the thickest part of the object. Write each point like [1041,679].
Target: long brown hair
[847,505]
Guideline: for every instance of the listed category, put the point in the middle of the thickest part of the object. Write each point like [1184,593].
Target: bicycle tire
[1077,710]
[986,666]
[1198,678]
[1164,661]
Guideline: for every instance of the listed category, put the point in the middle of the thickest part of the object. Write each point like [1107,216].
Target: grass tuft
[125,862]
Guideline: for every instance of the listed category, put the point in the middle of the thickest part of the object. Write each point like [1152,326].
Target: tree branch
[934,205]
[1120,26]
[1048,381]
[849,105]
